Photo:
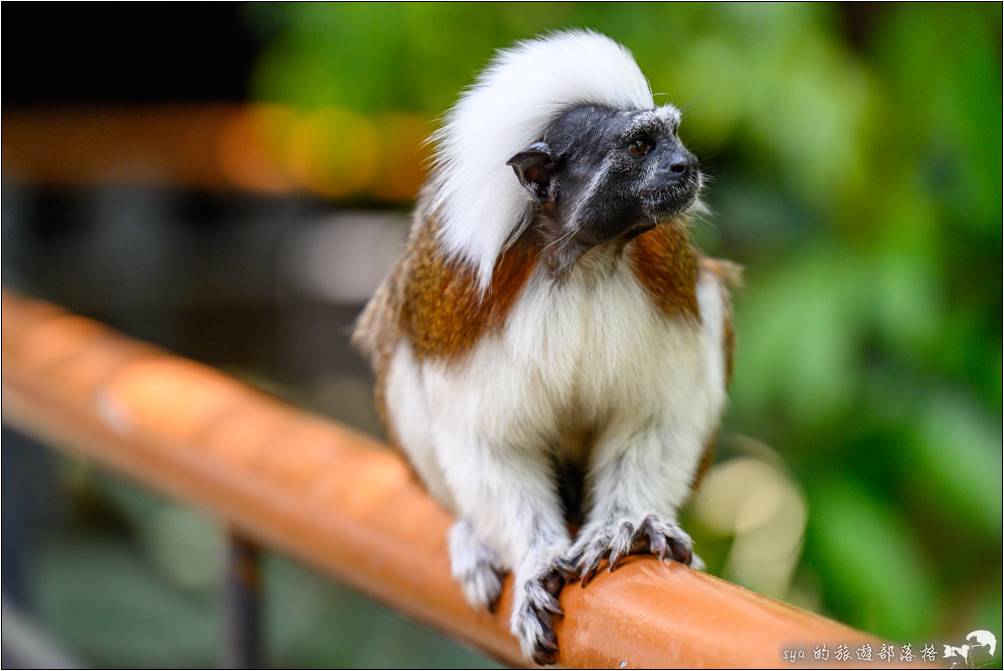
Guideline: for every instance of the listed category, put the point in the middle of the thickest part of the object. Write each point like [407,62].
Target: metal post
[242,605]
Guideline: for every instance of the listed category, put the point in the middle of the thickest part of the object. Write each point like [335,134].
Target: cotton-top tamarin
[551,350]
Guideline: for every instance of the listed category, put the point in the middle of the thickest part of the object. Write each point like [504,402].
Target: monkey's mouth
[671,200]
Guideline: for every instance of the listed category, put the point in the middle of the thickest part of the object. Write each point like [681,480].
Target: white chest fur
[588,369]
[591,354]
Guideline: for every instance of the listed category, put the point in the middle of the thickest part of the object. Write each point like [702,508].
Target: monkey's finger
[680,551]
[640,544]
[588,572]
[545,657]
[553,584]
[541,599]
[657,544]
[573,559]
[544,602]
[620,545]
[616,554]
[549,638]
[546,650]
[565,568]
[588,564]
[552,606]
[650,537]
[546,645]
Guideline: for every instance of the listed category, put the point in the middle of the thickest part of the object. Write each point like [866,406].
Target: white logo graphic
[982,638]
[961,651]
[976,640]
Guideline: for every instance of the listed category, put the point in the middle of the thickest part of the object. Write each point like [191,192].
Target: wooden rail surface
[341,502]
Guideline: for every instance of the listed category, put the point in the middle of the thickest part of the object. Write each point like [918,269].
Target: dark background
[74,53]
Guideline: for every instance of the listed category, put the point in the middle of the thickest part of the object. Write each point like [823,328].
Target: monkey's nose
[679,167]
[682,164]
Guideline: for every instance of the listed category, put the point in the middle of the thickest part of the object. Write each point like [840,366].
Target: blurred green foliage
[855,153]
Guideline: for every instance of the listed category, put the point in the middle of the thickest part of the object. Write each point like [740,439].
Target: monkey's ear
[534,167]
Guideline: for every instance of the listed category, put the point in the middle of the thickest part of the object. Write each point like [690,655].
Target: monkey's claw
[662,538]
[614,541]
[533,612]
[608,542]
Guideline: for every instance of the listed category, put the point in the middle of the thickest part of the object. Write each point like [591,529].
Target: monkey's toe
[608,542]
[534,611]
[663,538]
[615,540]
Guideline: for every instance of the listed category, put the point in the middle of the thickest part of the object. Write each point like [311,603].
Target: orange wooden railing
[343,503]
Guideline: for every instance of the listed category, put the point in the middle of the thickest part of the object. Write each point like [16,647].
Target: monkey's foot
[475,566]
[535,606]
[615,540]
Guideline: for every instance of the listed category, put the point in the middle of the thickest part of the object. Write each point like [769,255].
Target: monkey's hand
[616,538]
[475,566]
[536,603]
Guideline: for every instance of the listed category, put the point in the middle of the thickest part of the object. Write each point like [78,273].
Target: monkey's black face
[600,174]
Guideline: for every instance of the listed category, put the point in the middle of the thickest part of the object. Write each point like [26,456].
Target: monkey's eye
[639,148]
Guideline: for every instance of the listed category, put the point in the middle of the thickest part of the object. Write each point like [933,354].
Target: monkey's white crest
[478,200]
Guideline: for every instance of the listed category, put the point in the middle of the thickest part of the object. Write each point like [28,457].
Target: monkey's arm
[645,466]
[641,476]
[506,493]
